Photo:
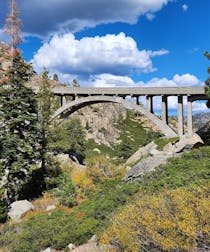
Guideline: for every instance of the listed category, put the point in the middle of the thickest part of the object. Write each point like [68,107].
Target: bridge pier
[149,103]
[74,97]
[62,100]
[165,109]
[189,115]
[180,116]
[138,100]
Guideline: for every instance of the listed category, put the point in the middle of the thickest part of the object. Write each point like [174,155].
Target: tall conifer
[18,118]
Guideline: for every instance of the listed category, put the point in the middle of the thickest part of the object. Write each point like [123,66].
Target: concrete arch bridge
[81,97]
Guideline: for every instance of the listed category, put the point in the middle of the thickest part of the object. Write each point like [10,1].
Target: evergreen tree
[55,77]
[45,105]
[125,148]
[207,82]
[76,83]
[69,138]
[18,116]
[18,131]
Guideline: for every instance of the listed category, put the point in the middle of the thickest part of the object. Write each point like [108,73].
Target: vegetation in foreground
[164,196]
[173,220]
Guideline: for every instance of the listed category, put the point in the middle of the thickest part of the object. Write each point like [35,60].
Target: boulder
[147,165]
[71,247]
[188,142]
[157,158]
[63,158]
[50,250]
[47,250]
[141,152]
[50,207]
[19,208]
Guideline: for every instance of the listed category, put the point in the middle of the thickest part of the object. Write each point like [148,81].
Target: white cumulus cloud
[113,54]
[186,80]
[177,80]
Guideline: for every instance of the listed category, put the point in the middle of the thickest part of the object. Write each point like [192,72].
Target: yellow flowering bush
[172,220]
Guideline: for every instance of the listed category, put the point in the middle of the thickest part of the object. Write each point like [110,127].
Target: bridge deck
[125,91]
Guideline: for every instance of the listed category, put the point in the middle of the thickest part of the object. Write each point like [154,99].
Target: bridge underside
[72,106]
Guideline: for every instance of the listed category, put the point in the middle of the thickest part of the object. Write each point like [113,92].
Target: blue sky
[117,43]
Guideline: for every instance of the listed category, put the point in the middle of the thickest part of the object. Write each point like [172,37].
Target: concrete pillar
[63,100]
[149,103]
[165,109]
[189,116]
[138,100]
[180,116]
[74,97]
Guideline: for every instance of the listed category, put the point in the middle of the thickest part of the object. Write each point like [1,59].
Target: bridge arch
[73,106]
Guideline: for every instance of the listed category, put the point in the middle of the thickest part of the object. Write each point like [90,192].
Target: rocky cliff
[101,122]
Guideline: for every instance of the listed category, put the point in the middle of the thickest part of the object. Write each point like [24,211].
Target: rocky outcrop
[187,142]
[147,165]
[204,133]
[19,208]
[100,121]
[199,120]
[157,158]
[141,152]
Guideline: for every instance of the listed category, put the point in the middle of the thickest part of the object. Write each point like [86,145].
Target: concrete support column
[63,100]
[189,116]
[165,109]
[180,116]
[74,97]
[138,100]
[149,103]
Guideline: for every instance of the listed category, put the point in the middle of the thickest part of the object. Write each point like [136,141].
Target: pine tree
[18,132]
[55,77]
[45,105]
[18,117]
[76,83]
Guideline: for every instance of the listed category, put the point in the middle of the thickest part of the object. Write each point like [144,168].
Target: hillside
[180,178]
[202,125]
[101,122]
[200,119]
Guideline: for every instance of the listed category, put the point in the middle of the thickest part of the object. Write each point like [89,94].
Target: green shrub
[66,191]
[52,172]
[162,141]
[191,168]
[3,210]
[58,229]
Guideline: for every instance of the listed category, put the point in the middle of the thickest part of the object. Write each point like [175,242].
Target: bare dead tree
[13,26]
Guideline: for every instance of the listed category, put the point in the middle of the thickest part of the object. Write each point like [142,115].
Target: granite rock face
[157,158]
[141,152]
[147,165]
